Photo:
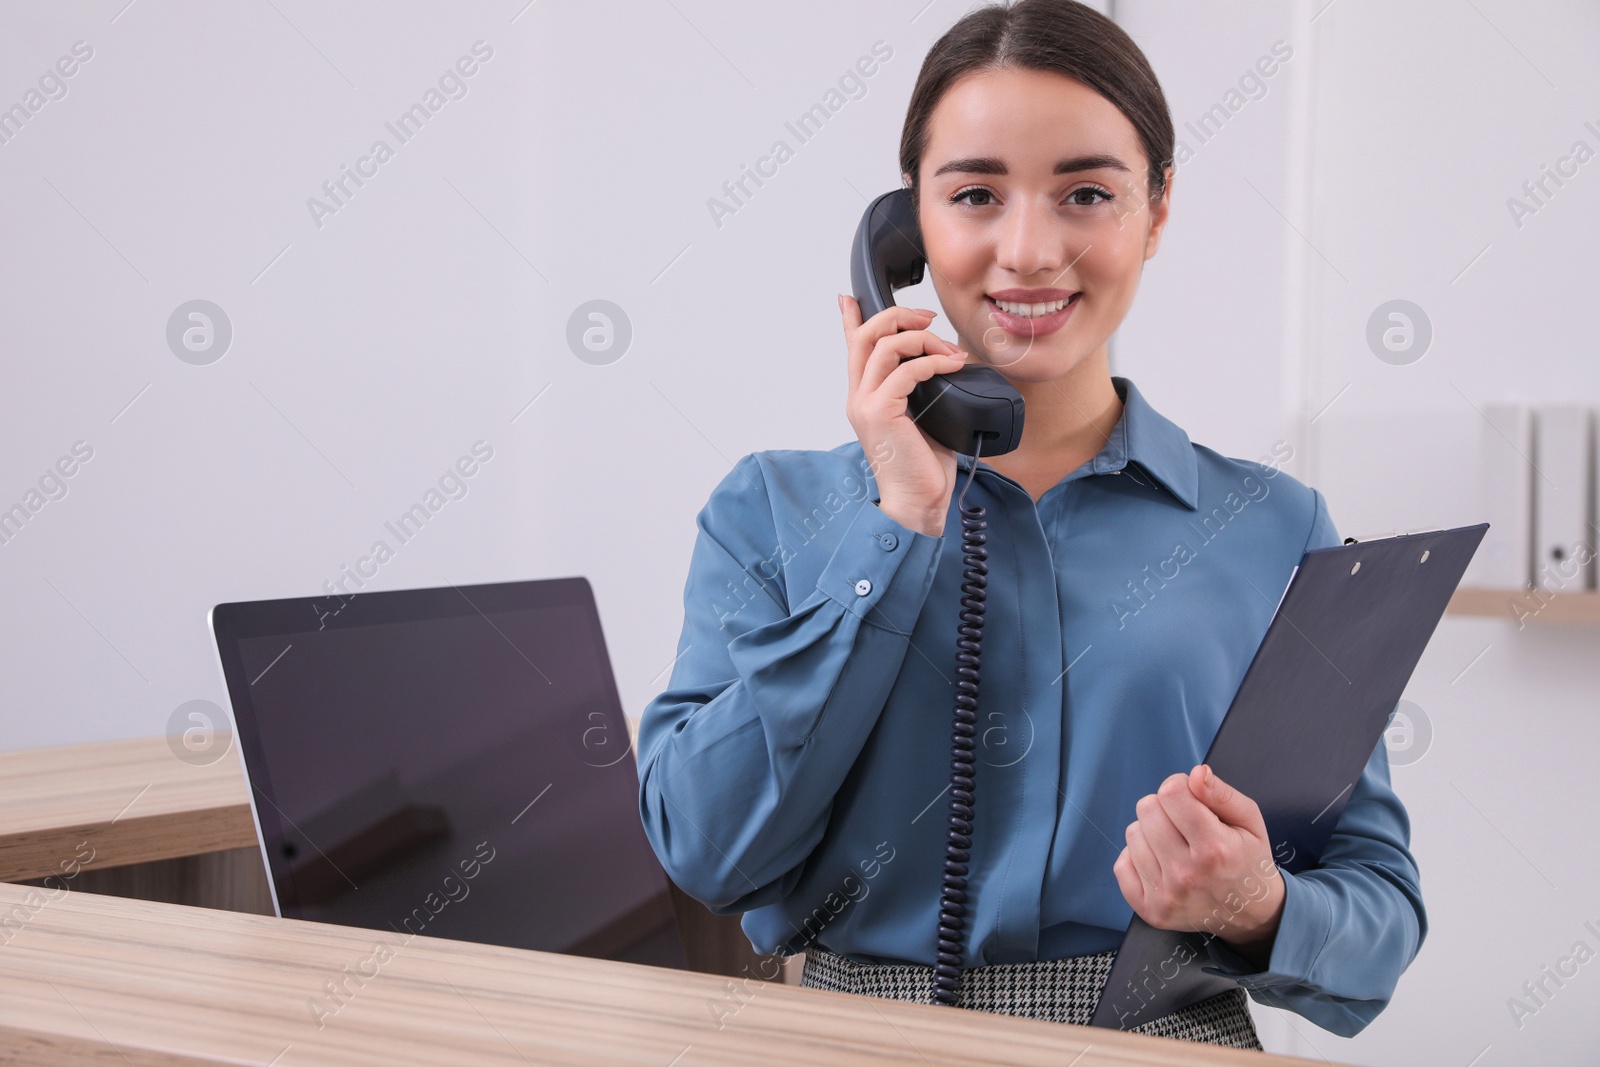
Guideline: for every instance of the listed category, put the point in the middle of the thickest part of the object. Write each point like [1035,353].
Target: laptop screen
[448,762]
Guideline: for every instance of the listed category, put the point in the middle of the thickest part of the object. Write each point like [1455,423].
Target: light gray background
[431,311]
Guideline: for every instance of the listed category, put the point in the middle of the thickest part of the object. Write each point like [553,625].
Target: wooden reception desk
[94,979]
[87,978]
[118,803]
[132,818]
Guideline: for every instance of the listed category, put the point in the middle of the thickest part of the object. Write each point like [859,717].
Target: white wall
[367,353]
[372,351]
[1391,154]
[1448,110]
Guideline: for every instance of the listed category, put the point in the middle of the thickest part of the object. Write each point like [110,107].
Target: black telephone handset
[961,410]
[973,411]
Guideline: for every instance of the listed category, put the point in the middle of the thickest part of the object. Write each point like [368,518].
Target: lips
[1024,326]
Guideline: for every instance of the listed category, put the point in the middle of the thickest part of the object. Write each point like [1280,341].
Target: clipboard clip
[1396,533]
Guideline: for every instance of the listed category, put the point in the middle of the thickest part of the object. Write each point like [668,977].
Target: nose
[1032,241]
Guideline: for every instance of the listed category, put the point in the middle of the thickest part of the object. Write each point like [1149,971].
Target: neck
[1066,420]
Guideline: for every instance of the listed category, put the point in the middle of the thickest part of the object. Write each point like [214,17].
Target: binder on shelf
[1309,713]
[1563,457]
[1506,473]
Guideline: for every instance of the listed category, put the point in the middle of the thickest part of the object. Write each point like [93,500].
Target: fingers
[1158,829]
[876,348]
[850,312]
[861,339]
[1229,805]
[1143,857]
[1191,818]
[896,350]
[1128,880]
[850,308]
[906,376]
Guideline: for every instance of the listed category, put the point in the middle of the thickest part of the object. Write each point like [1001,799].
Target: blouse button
[863,587]
[888,541]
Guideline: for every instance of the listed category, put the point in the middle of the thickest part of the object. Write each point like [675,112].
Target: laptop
[448,762]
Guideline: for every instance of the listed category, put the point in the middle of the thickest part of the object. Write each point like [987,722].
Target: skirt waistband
[1063,990]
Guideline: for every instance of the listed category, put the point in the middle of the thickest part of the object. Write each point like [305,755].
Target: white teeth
[1031,311]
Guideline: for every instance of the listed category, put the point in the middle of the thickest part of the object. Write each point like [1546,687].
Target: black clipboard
[1347,635]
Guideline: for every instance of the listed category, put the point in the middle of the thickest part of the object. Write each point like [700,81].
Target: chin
[1035,365]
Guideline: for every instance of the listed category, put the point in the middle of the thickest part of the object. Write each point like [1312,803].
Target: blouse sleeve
[774,692]
[1354,922]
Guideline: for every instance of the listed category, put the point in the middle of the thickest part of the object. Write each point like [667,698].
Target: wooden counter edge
[57,850]
[158,975]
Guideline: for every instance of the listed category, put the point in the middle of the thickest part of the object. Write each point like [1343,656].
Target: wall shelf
[1572,606]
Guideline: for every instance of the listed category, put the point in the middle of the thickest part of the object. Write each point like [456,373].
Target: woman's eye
[1092,191]
[974,190]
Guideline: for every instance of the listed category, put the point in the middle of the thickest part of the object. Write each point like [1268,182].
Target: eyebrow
[991,165]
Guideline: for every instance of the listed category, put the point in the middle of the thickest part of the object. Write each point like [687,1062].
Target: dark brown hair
[1062,36]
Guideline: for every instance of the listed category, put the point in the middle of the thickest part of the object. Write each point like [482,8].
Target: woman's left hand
[1198,858]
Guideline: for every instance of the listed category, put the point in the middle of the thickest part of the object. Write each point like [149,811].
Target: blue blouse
[796,768]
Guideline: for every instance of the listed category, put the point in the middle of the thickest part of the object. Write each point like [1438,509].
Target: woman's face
[1003,228]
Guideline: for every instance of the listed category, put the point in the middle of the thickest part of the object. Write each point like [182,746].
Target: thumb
[1229,805]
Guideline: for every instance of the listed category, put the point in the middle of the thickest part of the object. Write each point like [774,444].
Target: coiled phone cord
[953,897]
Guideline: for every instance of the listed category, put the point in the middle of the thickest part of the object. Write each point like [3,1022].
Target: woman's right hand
[915,474]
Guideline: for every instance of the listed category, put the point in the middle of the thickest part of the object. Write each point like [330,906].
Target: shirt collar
[1145,437]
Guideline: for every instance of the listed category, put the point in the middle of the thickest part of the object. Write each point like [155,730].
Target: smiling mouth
[1031,311]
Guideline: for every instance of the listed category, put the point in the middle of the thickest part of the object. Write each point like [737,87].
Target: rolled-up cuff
[882,570]
[1303,930]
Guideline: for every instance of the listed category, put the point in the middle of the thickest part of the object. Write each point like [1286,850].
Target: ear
[1158,216]
[905,180]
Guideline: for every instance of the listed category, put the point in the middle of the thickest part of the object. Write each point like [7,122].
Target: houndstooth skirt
[1063,991]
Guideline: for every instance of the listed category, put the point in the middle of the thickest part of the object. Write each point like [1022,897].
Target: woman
[795,769]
